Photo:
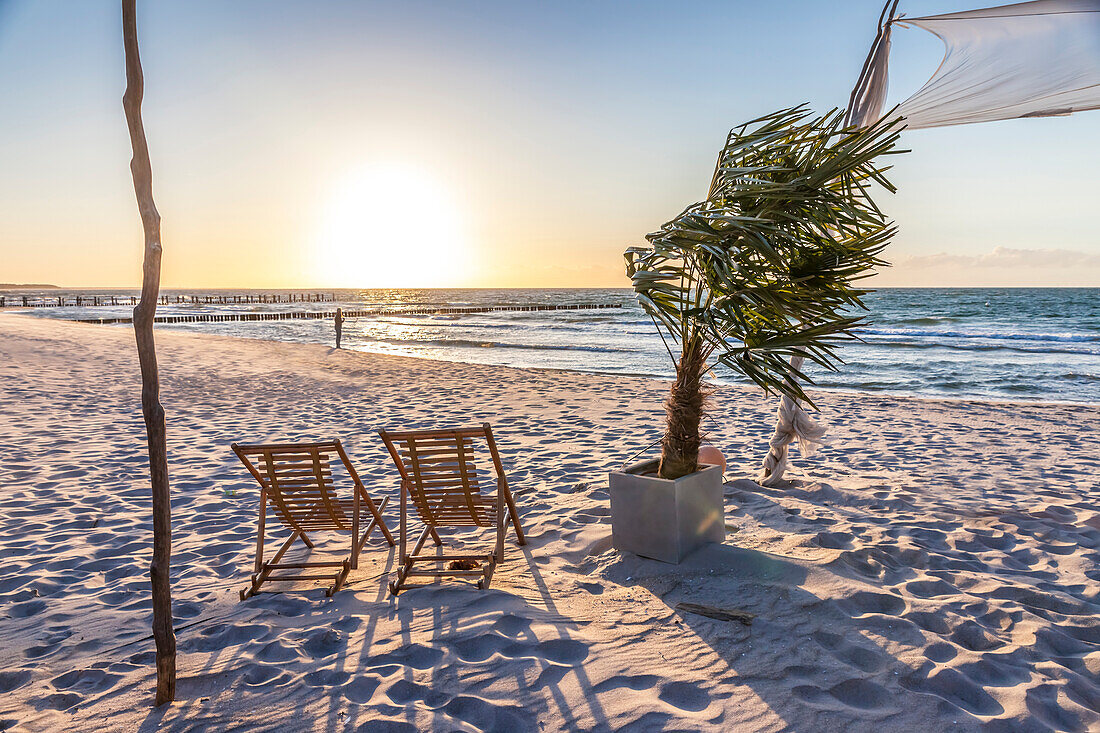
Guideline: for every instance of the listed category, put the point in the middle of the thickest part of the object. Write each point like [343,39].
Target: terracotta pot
[711,456]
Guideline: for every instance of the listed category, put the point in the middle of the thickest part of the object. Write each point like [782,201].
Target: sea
[1040,344]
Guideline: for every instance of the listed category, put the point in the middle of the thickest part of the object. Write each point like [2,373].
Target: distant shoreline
[624,288]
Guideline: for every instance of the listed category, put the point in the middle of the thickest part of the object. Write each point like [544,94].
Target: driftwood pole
[146,309]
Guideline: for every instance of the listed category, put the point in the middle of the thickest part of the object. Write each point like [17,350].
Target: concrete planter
[662,519]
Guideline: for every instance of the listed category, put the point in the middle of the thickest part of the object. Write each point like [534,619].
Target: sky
[480,144]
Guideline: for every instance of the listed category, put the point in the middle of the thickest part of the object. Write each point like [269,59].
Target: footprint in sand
[931,621]
[405,692]
[1053,643]
[1084,694]
[41,650]
[685,696]
[996,671]
[323,643]
[551,675]
[58,701]
[481,647]
[561,651]
[860,658]
[853,693]
[220,636]
[264,675]
[631,682]
[416,656]
[970,635]
[361,689]
[511,625]
[867,602]
[326,678]
[27,608]
[957,689]
[833,540]
[930,588]
[277,651]
[940,652]
[1043,601]
[85,680]
[14,680]
[386,726]
[1042,702]
[484,715]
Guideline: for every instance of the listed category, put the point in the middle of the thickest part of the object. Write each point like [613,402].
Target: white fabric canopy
[1033,59]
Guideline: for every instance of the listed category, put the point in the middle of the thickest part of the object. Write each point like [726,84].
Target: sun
[391,227]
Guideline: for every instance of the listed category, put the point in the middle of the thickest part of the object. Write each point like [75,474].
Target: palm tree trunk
[141,170]
[683,414]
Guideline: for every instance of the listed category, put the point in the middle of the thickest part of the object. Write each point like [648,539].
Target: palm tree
[765,269]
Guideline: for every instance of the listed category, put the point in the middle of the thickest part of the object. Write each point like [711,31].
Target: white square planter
[666,519]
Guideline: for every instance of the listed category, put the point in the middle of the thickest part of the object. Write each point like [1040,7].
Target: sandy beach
[934,568]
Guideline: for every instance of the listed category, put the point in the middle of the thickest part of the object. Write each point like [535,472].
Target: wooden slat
[276,495]
[439,447]
[444,485]
[292,472]
[446,440]
[287,578]
[422,508]
[298,565]
[453,506]
[471,432]
[259,448]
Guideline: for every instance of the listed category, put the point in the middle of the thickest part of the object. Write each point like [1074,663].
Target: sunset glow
[391,226]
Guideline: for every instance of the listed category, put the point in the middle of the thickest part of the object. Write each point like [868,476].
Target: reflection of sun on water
[391,227]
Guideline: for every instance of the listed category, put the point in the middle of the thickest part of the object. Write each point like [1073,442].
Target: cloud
[1005,258]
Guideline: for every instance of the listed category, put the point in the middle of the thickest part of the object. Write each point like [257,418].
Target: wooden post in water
[142,172]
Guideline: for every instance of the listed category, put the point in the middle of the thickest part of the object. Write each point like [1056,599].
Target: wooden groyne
[91,301]
[288,315]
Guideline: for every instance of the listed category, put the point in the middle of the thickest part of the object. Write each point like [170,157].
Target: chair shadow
[454,624]
[220,682]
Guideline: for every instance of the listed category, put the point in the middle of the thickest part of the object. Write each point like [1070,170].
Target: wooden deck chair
[439,472]
[296,478]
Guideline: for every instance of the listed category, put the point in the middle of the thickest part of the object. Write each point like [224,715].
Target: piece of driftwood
[722,614]
[142,172]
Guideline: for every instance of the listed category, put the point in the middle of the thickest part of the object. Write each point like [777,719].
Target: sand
[935,568]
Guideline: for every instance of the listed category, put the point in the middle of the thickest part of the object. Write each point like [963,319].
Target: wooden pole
[144,312]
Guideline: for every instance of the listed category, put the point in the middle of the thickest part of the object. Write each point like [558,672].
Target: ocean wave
[1007,336]
[1078,377]
[963,346]
[930,321]
[478,343]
